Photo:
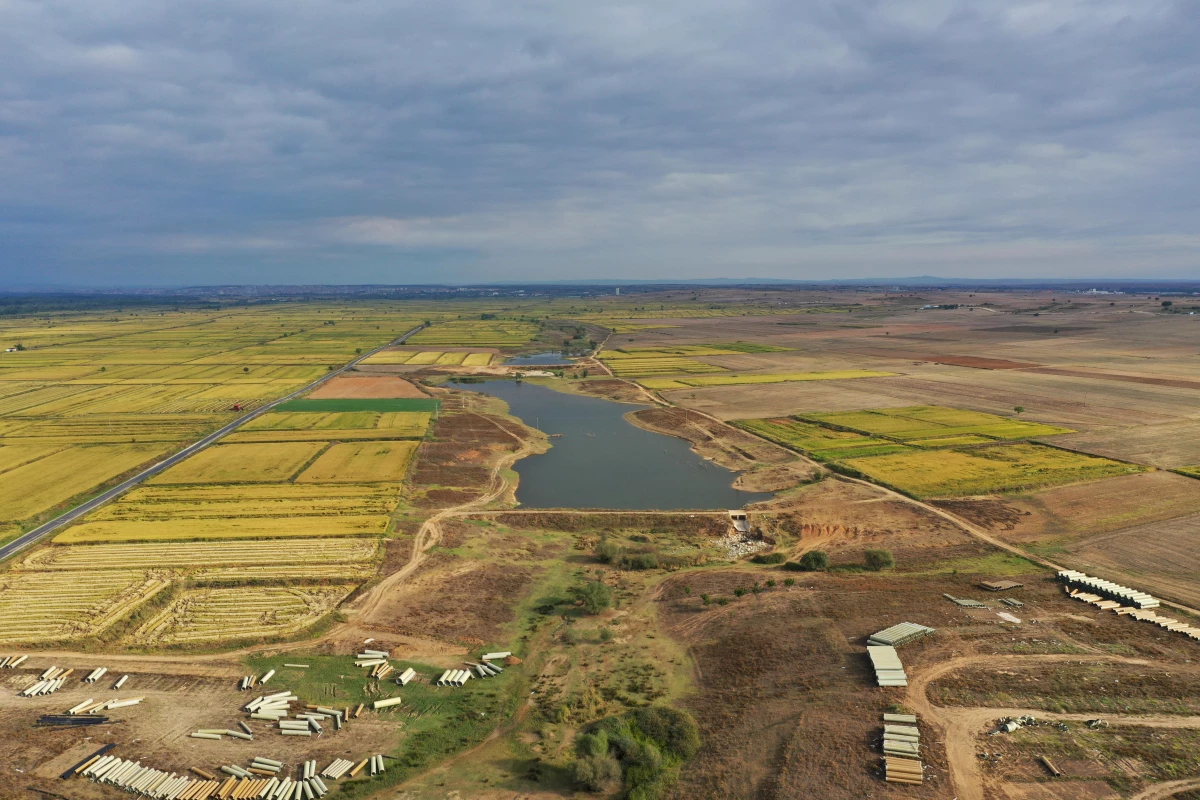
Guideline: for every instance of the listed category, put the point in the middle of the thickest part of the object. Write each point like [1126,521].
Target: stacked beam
[895,636]
[1142,615]
[1113,591]
[12,662]
[888,669]
[69,721]
[901,749]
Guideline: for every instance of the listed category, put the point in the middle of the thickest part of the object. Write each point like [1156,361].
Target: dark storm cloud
[393,142]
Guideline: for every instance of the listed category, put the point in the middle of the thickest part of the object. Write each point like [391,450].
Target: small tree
[1167,303]
[814,561]
[879,559]
[596,596]
[1019,409]
[739,592]
[789,581]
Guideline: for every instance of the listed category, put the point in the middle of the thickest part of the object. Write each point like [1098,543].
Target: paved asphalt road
[20,543]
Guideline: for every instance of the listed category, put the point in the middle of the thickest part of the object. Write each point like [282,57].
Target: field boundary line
[45,529]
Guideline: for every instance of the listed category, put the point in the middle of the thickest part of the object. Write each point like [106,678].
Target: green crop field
[821,443]
[927,422]
[660,384]
[986,470]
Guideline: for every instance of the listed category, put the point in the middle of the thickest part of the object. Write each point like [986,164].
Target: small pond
[539,360]
[601,460]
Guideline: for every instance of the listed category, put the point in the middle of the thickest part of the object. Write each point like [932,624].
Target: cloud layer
[394,142]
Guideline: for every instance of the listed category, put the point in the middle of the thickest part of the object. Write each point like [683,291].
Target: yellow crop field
[223,528]
[477,360]
[1003,468]
[249,500]
[42,484]
[451,359]
[632,367]
[390,357]
[349,425]
[242,463]
[201,555]
[53,607]
[426,358]
[247,612]
[14,456]
[481,333]
[781,377]
[925,422]
[360,462]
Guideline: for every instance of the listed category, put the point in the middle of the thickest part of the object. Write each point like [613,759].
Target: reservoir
[538,360]
[601,460]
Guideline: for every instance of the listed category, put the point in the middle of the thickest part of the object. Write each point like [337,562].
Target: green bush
[769,558]
[596,596]
[879,559]
[647,745]
[814,561]
[606,552]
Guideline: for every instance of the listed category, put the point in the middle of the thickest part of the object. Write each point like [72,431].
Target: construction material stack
[888,669]
[12,662]
[901,749]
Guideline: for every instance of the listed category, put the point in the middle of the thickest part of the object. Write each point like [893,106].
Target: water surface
[539,360]
[601,460]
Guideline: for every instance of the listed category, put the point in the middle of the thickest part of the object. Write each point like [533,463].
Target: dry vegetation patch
[242,463]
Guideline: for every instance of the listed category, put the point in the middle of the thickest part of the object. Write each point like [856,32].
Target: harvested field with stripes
[663,384]
[201,555]
[246,612]
[285,427]
[344,386]
[223,528]
[48,607]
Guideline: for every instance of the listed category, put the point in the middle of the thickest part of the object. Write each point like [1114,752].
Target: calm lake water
[603,461]
[539,360]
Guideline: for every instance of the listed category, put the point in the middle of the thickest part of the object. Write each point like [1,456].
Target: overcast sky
[384,141]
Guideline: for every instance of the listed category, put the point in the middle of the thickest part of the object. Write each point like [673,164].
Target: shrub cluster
[640,752]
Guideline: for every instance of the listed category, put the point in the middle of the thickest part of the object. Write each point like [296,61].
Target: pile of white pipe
[376,765]
[11,662]
[271,707]
[43,687]
[89,707]
[120,682]
[453,677]
[484,669]
[303,789]
[404,677]
[496,656]
[133,777]
[219,733]
[337,769]
[95,675]
[250,681]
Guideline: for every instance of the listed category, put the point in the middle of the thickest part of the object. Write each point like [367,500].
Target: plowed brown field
[375,386]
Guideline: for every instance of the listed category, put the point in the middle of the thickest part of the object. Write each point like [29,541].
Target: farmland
[206,615]
[929,422]
[746,380]
[242,463]
[361,462]
[376,512]
[1009,468]
[821,443]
